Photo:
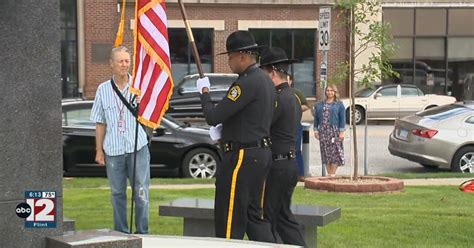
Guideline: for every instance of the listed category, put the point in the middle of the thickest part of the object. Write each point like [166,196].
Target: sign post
[324,43]
[324,28]
[324,46]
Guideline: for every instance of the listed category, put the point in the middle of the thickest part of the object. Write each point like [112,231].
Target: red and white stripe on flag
[152,79]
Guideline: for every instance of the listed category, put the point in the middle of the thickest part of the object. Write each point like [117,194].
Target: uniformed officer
[283,175]
[245,114]
[299,129]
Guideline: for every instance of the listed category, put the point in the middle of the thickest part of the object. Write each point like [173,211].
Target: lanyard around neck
[120,105]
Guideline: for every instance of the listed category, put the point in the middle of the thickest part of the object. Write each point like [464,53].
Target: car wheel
[429,166]
[200,163]
[463,160]
[359,115]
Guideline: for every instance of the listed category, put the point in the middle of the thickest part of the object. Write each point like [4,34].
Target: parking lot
[379,158]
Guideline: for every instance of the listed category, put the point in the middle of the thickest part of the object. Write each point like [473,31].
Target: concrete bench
[198,217]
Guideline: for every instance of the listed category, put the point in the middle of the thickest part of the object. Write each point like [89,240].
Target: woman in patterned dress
[329,127]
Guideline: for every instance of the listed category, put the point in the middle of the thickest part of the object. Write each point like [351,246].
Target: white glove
[215,132]
[202,83]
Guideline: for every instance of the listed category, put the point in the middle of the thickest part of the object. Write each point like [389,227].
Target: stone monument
[30,116]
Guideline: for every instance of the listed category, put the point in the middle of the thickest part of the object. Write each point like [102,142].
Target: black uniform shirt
[287,113]
[247,109]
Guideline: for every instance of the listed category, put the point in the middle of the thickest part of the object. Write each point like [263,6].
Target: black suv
[185,101]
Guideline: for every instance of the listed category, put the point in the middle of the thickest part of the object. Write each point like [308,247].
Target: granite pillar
[30,114]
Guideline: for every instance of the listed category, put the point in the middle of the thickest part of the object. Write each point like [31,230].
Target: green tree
[362,20]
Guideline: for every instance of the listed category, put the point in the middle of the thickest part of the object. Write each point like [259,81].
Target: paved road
[379,158]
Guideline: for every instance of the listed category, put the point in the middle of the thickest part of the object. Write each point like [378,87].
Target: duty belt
[287,156]
[228,146]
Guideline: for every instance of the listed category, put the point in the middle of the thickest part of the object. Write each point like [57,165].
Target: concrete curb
[434,181]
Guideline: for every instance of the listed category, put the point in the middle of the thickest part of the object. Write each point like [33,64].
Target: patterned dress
[332,151]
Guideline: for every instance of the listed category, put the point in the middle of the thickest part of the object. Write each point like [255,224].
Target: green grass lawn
[421,216]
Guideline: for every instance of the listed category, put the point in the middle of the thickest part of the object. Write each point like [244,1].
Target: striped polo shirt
[106,109]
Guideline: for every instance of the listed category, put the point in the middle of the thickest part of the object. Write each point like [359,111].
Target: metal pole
[133,173]
[366,166]
[81,47]
[305,149]
[324,85]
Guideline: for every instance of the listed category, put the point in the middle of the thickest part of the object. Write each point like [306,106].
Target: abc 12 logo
[38,210]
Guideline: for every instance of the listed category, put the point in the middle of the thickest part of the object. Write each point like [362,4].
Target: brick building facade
[435,44]
[101,18]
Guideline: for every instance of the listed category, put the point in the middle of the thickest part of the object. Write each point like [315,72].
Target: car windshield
[78,118]
[443,112]
[364,92]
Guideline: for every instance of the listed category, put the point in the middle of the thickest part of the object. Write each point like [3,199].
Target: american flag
[152,79]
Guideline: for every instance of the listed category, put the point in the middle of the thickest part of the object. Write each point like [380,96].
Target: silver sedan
[438,137]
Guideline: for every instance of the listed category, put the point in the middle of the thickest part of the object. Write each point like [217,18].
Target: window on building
[401,20]
[430,21]
[461,67]
[298,44]
[430,61]
[182,59]
[69,75]
[460,22]
[402,61]
[435,49]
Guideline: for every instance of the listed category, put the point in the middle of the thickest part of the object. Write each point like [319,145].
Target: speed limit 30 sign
[324,28]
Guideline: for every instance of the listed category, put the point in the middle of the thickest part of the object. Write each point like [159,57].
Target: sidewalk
[407,182]
[434,181]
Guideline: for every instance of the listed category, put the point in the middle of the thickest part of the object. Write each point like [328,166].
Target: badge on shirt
[121,126]
[234,93]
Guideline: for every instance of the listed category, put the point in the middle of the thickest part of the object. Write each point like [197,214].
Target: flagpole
[136,123]
[134,168]
[118,42]
[197,59]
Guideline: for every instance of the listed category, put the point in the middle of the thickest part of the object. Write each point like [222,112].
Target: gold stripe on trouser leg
[262,199]
[232,193]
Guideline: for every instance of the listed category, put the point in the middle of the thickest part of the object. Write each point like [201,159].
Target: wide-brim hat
[275,55]
[240,41]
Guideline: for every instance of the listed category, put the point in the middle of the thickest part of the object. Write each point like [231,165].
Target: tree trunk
[352,85]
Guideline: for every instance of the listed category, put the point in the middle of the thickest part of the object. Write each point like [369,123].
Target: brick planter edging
[330,184]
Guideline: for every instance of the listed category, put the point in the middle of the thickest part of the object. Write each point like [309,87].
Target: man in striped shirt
[115,141]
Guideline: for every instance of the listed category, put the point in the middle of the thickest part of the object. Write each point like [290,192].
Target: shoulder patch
[234,93]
